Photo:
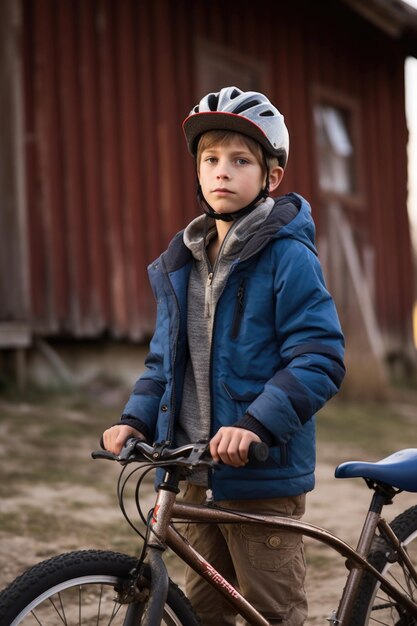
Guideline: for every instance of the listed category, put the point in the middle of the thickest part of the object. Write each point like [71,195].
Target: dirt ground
[54,498]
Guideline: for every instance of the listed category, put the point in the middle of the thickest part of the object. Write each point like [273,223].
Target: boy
[247,347]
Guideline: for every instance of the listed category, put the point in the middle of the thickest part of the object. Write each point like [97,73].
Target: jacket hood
[301,227]
[287,217]
[290,218]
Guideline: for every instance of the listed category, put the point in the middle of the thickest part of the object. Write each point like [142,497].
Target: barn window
[336,149]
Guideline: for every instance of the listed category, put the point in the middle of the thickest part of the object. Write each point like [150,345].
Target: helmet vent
[245,106]
[213,101]
[234,110]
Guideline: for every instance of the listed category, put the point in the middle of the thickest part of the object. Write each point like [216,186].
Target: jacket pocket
[279,454]
[239,308]
[240,401]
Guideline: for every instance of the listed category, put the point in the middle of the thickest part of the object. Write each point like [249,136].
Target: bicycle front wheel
[374,606]
[89,588]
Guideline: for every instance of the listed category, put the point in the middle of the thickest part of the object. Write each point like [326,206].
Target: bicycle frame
[163,534]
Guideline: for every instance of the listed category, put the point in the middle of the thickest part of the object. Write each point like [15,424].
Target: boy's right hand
[115,437]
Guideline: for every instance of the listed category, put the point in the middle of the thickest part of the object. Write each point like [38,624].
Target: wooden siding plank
[168,130]
[73,194]
[33,198]
[374,202]
[278,47]
[300,109]
[55,268]
[186,99]
[13,253]
[111,163]
[386,141]
[146,52]
[133,210]
[404,294]
[407,288]
[96,234]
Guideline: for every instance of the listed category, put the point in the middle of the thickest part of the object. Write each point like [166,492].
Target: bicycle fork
[158,528]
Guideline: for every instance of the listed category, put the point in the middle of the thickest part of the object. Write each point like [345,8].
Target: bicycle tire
[82,587]
[372,606]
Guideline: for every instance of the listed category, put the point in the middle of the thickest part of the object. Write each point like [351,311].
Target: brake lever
[197,454]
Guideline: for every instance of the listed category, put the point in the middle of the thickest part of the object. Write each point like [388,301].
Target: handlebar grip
[103,454]
[125,453]
[258,451]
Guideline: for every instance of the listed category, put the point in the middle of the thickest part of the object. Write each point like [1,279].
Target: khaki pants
[267,565]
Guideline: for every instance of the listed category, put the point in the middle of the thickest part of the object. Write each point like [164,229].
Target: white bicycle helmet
[246,112]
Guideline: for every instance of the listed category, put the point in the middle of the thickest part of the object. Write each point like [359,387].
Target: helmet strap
[235,215]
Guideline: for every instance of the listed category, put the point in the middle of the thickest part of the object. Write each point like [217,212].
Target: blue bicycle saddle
[398,470]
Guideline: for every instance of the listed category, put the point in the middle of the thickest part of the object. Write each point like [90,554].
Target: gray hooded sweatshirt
[205,287]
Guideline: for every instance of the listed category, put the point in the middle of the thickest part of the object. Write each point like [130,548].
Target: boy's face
[230,176]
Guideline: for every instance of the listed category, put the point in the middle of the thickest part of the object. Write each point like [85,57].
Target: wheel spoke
[61,616]
[407,586]
[116,608]
[99,605]
[33,615]
[377,621]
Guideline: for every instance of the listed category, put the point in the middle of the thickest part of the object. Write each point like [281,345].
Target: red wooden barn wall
[109,180]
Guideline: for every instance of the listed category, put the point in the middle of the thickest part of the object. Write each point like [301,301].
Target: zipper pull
[238,314]
[208,295]
[240,297]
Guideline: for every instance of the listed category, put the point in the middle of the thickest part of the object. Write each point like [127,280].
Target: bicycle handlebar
[160,454]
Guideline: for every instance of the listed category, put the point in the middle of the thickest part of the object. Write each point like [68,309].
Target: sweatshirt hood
[202,229]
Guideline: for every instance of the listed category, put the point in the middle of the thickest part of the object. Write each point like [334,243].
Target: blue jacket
[277,354]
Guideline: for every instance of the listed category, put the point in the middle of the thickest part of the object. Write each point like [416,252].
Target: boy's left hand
[231,445]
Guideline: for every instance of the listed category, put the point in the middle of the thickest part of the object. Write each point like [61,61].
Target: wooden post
[14,278]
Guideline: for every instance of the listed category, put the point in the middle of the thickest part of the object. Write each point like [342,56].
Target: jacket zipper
[211,272]
[238,314]
[210,473]
[208,295]
[174,356]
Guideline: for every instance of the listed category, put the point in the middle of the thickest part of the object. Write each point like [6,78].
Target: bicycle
[100,587]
